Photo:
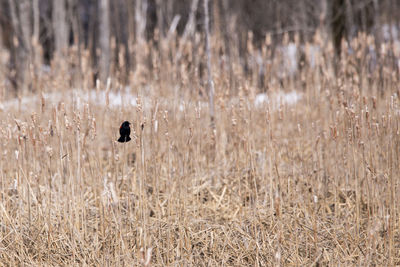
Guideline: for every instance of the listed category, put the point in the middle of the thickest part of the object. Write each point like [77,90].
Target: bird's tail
[123,139]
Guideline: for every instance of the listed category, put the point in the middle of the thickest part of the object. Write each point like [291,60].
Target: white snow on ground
[79,97]
[390,31]
[127,99]
[277,99]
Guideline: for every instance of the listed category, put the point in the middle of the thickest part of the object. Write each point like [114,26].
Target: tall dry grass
[315,183]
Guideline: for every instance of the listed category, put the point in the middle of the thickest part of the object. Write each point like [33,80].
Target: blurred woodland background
[107,37]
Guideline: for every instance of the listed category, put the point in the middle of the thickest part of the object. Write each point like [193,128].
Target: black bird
[124,131]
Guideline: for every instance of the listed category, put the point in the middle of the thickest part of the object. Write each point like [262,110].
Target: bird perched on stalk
[124,131]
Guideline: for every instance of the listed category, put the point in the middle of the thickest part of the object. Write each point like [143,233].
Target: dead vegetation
[314,183]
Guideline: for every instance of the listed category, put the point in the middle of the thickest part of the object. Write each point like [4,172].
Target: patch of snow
[260,100]
[125,98]
[291,98]
[78,96]
[115,99]
[276,99]
[46,68]
[390,31]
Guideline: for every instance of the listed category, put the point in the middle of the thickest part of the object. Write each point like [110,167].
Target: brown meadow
[309,183]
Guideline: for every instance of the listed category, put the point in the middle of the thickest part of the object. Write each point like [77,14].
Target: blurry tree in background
[104,39]
[108,36]
[351,16]
[60,27]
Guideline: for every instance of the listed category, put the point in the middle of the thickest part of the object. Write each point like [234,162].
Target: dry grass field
[311,183]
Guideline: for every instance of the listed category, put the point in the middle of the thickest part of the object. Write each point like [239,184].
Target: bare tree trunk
[21,27]
[169,14]
[191,24]
[78,40]
[36,14]
[25,18]
[217,19]
[226,20]
[140,20]
[160,18]
[189,28]
[60,28]
[338,24]
[323,18]
[140,23]
[3,64]
[73,17]
[376,30]
[350,29]
[210,82]
[104,31]
[36,48]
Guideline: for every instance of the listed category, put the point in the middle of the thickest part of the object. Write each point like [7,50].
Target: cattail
[334,132]
[43,102]
[374,102]
[34,118]
[51,131]
[139,107]
[93,128]
[66,122]
[77,120]
[49,151]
